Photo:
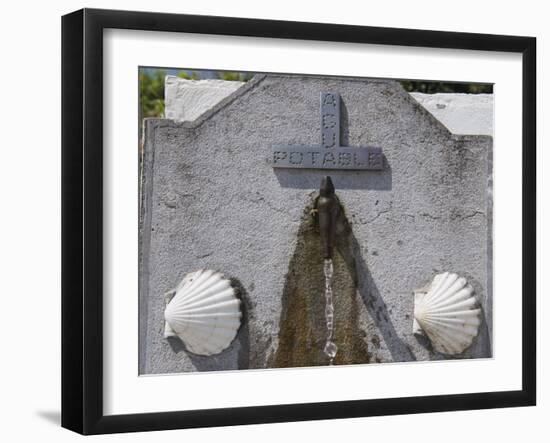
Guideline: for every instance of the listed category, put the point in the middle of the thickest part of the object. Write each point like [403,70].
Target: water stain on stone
[302,331]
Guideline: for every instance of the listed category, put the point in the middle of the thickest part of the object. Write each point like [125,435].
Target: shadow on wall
[375,180]
[350,250]
[53,417]
[303,332]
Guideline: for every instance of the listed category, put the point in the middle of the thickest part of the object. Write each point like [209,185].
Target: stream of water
[330,347]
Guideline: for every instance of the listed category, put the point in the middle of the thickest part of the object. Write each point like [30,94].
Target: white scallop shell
[447,313]
[204,313]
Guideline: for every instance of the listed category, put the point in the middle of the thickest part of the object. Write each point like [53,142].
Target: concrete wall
[211,200]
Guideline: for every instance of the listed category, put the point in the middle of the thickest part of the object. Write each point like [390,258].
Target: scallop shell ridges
[447,313]
[204,313]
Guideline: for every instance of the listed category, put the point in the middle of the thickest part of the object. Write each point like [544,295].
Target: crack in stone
[184,195]
[262,199]
[425,215]
[430,216]
[466,216]
[378,214]
[208,254]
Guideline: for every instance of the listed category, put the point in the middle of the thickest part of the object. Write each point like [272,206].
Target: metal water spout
[328,210]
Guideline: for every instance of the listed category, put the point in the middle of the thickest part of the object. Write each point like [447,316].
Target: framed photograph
[270,221]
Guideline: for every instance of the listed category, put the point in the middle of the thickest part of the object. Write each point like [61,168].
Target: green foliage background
[151,94]
[435,87]
[151,87]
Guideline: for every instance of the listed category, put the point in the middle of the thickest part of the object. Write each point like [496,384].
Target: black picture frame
[82,218]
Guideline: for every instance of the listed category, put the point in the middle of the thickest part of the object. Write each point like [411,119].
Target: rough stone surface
[469,114]
[185,100]
[211,200]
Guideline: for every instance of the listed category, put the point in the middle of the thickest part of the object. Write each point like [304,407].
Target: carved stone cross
[329,154]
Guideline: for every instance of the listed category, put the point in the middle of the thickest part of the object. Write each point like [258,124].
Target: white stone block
[465,114]
[186,100]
